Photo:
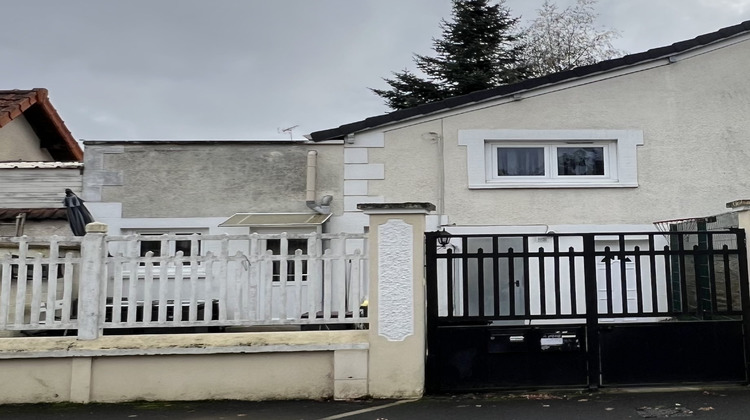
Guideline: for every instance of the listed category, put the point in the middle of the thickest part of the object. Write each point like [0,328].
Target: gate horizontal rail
[639,274]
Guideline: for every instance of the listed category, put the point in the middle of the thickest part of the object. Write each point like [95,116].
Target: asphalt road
[732,403]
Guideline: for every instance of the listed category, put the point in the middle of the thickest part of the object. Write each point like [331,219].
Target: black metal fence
[529,282]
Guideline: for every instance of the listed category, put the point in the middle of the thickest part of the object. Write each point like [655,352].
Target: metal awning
[275,219]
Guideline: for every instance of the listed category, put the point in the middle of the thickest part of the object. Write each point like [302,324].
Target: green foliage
[479,49]
[408,90]
[559,40]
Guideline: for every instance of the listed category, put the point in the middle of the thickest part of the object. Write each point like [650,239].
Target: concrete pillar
[396,363]
[93,255]
[742,209]
[349,374]
[80,380]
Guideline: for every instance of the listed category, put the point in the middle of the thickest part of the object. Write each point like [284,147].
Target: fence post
[93,255]
[396,311]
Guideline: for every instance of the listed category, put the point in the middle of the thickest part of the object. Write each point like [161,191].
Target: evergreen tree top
[477,50]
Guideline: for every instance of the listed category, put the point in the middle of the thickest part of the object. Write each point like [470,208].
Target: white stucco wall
[693,115]
[19,142]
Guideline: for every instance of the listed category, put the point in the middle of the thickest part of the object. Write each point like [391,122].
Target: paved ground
[732,403]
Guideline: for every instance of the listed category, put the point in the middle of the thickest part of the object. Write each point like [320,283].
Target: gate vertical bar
[592,314]
[745,298]
[432,379]
[496,276]
[465,277]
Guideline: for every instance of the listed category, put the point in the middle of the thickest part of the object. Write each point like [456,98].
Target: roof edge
[629,60]
[57,122]
[40,97]
[204,142]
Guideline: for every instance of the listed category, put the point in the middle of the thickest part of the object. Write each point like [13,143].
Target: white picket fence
[182,281]
[29,300]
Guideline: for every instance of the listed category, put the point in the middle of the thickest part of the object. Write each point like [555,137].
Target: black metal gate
[510,311]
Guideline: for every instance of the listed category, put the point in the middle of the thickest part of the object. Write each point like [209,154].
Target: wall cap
[173,344]
[96,227]
[739,204]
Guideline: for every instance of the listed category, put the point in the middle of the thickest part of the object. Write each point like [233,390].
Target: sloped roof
[34,104]
[550,79]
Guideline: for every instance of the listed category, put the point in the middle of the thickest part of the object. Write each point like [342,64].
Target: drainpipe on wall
[437,138]
[312,175]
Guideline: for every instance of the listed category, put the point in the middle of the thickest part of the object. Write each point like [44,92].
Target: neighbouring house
[191,190]
[197,186]
[39,159]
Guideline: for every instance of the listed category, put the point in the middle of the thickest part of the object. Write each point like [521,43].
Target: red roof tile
[34,104]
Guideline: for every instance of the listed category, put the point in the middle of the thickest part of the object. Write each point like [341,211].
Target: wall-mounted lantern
[444,238]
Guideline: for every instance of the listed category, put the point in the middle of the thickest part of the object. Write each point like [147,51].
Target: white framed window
[551,158]
[275,246]
[538,161]
[160,245]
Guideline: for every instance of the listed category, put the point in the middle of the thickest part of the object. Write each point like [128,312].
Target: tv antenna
[289,130]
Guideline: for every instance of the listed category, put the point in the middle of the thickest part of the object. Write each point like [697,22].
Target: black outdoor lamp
[443,238]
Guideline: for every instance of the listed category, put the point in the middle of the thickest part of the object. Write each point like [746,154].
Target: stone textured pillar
[397,317]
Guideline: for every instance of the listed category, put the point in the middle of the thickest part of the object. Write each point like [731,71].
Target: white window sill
[525,185]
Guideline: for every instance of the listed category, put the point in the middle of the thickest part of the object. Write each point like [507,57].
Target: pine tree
[479,49]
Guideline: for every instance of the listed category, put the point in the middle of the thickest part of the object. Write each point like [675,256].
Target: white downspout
[312,175]
[312,178]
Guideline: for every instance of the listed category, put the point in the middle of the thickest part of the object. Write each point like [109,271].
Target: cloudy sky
[247,69]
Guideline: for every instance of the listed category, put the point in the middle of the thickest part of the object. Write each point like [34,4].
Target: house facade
[616,145]
[531,169]
[39,159]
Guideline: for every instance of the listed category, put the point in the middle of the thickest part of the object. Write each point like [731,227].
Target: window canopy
[275,220]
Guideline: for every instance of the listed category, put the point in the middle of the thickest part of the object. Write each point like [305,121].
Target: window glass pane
[153,246]
[274,245]
[520,161]
[173,246]
[184,246]
[580,161]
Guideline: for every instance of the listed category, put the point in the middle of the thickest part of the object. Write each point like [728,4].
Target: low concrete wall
[386,361]
[243,366]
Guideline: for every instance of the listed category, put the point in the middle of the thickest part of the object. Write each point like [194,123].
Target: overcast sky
[247,69]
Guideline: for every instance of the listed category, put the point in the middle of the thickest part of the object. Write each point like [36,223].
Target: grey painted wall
[205,179]
[19,142]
